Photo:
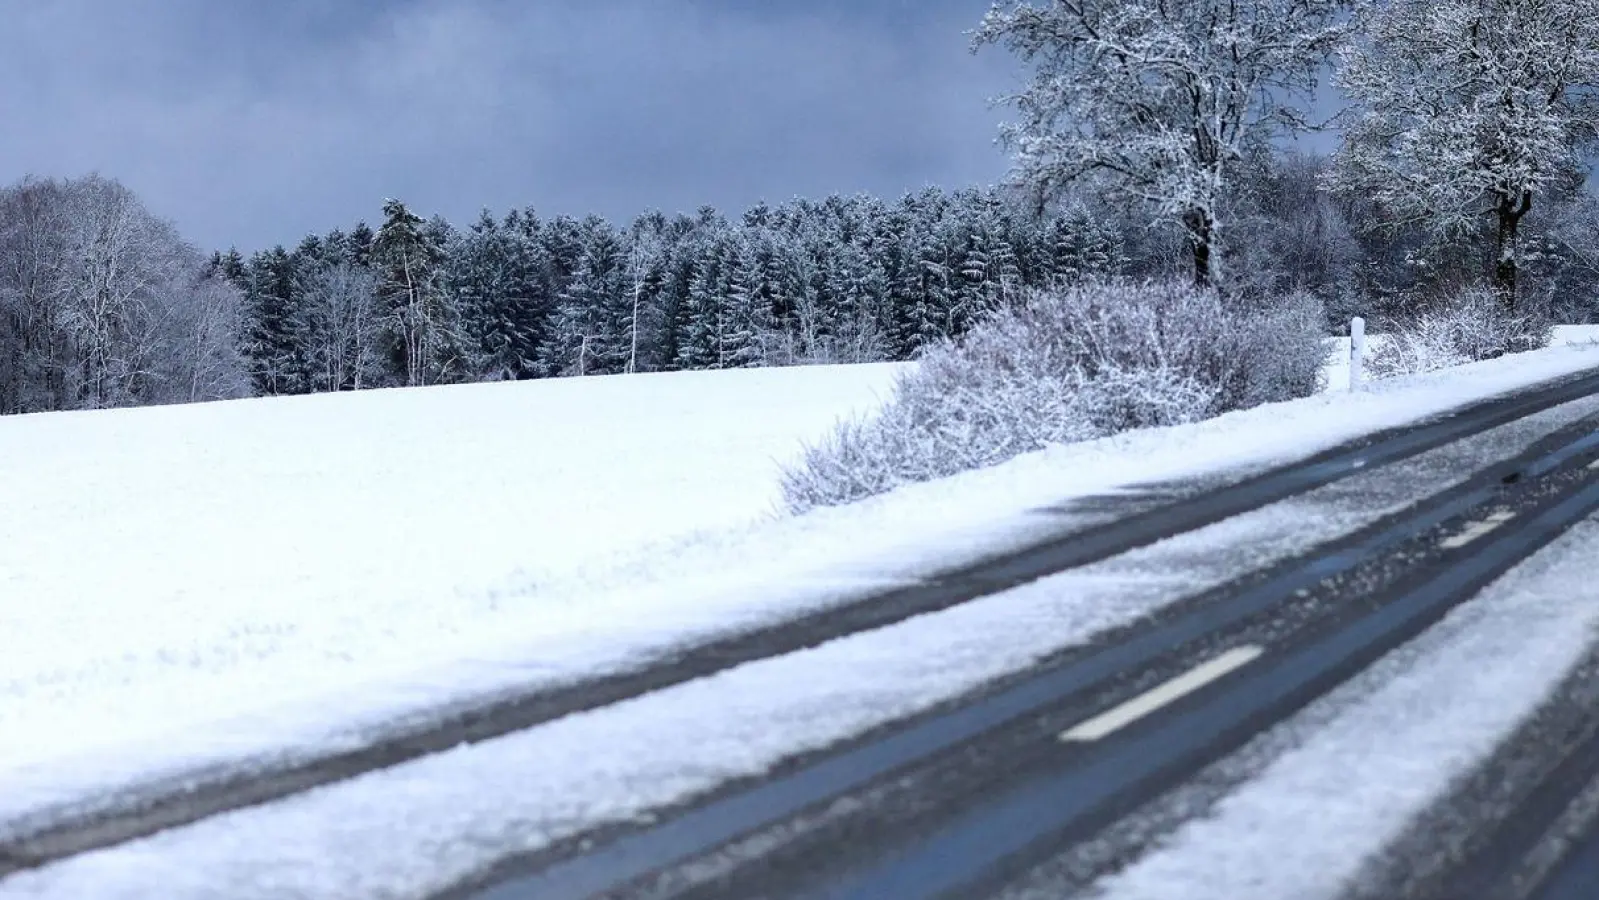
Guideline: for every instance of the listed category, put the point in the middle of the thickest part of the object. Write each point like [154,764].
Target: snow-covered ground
[1576,334]
[163,569]
[1338,362]
[419,827]
[216,583]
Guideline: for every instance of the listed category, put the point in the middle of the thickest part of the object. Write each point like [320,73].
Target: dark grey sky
[253,122]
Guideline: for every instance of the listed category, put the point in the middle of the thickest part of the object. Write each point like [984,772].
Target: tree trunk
[1200,227]
[632,354]
[1510,212]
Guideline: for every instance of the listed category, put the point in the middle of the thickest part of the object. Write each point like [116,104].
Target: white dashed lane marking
[1149,701]
[1477,530]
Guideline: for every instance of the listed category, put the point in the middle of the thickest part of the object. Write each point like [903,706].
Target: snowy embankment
[1338,363]
[217,583]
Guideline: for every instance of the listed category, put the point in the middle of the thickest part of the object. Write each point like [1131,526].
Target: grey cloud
[253,123]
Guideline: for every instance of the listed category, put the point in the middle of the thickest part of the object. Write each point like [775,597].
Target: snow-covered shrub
[1469,326]
[1279,350]
[1070,364]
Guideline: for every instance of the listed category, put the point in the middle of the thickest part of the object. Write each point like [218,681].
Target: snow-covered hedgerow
[1470,326]
[1066,365]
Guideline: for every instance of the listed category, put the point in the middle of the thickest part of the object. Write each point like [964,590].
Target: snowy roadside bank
[1337,370]
[320,665]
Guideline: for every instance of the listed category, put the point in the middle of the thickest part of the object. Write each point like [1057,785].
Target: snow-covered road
[1339,784]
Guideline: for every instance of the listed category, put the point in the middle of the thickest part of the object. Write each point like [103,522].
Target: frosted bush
[1281,351]
[1470,326]
[1066,365]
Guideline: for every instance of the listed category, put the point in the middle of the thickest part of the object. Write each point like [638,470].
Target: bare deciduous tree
[127,263]
[34,342]
[102,304]
[1468,110]
[1160,99]
[203,356]
[342,325]
[642,259]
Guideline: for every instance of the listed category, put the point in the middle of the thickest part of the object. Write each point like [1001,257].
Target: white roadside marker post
[1357,351]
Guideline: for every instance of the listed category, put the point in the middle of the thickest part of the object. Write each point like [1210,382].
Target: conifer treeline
[848,279]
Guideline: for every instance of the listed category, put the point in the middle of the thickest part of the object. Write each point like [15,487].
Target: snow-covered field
[211,583]
[164,568]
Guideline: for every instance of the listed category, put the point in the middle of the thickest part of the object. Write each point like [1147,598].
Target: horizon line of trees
[1147,146]
[848,279]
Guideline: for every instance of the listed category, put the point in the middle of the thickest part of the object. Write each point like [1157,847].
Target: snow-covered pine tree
[778,245]
[856,288]
[421,329]
[705,315]
[486,276]
[1001,238]
[588,335]
[307,260]
[988,273]
[764,279]
[1081,245]
[924,317]
[361,239]
[680,260]
[271,323]
[881,248]
[963,296]
[230,265]
[888,228]
[748,326]
[537,291]
[803,256]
